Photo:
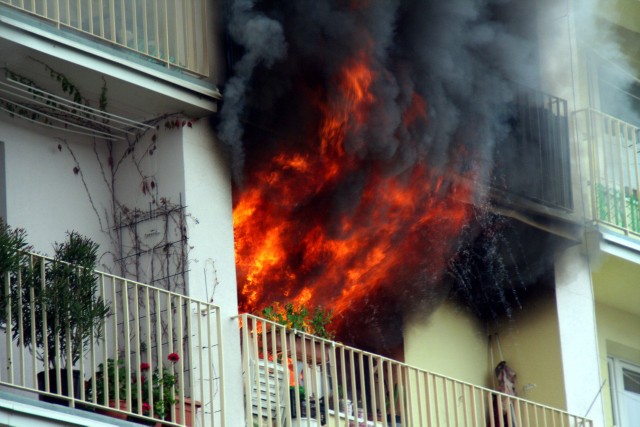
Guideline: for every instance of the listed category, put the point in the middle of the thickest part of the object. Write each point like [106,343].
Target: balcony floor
[17,409]
[131,92]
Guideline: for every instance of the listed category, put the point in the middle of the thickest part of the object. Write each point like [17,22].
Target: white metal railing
[159,356]
[172,32]
[295,379]
[613,147]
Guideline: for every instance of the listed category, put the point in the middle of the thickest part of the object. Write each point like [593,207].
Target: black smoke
[467,59]
[462,56]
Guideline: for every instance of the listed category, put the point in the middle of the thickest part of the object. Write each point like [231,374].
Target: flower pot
[315,405]
[187,412]
[121,416]
[346,408]
[64,388]
[114,414]
[300,342]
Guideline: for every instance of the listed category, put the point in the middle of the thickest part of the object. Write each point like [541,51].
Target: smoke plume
[361,133]
[457,55]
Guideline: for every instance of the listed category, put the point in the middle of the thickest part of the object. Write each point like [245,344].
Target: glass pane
[631,381]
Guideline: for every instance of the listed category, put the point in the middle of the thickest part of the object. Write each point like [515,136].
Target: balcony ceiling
[615,283]
[130,93]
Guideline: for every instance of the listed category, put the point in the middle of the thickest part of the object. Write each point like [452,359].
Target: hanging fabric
[506,383]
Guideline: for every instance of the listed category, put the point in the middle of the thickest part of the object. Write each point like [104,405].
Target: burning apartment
[451,185]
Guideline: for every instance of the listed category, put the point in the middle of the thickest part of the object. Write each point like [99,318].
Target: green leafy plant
[164,385]
[13,246]
[71,299]
[110,377]
[319,321]
[301,391]
[297,317]
[161,384]
[67,299]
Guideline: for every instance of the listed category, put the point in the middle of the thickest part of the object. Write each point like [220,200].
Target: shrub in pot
[68,300]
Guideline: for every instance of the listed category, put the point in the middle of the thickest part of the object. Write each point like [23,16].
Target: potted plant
[161,384]
[307,414]
[298,318]
[13,246]
[114,368]
[394,402]
[67,300]
[164,386]
[344,403]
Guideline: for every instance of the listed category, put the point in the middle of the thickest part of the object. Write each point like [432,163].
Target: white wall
[43,194]
[578,335]
[188,163]
[208,197]
[165,166]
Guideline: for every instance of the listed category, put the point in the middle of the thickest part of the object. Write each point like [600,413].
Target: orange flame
[292,244]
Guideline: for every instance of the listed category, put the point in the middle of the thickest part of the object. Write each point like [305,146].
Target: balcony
[295,379]
[533,161]
[614,170]
[170,32]
[156,355]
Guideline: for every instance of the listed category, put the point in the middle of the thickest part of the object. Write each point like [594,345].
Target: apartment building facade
[574,342]
[106,130]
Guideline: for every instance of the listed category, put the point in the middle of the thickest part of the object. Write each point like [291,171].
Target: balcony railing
[295,379]
[157,355]
[171,32]
[613,148]
[533,161]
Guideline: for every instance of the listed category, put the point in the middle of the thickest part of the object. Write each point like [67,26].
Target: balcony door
[625,392]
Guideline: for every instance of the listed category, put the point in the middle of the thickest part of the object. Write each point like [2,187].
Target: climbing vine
[148,240]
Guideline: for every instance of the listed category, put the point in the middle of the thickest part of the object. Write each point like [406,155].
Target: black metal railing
[534,160]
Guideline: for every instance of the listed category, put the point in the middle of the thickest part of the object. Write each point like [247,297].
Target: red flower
[146,407]
[174,357]
[144,366]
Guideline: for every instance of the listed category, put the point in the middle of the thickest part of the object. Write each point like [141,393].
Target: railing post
[127,349]
[192,384]
[180,348]
[9,343]
[32,302]
[137,339]
[220,371]
[20,326]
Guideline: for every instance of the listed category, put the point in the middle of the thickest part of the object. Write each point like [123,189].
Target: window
[625,392]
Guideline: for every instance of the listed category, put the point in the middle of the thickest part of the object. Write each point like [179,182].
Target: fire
[303,233]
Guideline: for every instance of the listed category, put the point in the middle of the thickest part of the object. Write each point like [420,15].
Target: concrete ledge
[21,411]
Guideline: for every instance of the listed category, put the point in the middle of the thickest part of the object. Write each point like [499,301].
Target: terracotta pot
[187,412]
[300,341]
[114,414]
[133,418]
